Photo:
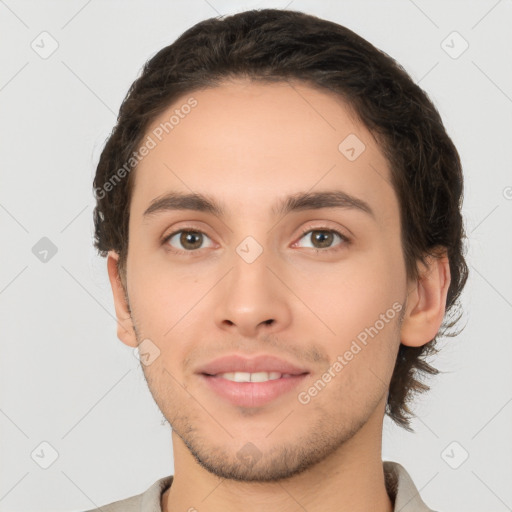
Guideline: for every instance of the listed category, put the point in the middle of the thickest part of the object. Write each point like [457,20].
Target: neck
[350,479]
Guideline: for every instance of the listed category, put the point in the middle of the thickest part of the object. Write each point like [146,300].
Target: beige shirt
[399,485]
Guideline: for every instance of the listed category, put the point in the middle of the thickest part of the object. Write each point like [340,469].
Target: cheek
[356,308]
[347,296]
[158,292]
[166,387]
[164,308]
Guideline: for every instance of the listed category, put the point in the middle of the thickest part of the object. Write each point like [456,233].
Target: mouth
[251,377]
[256,389]
[251,381]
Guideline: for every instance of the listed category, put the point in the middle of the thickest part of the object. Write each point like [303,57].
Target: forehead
[260,140]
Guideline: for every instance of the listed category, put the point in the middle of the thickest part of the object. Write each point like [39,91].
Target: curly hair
[272,45]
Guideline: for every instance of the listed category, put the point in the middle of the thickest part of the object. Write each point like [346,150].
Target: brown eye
[323,239]
[189,240]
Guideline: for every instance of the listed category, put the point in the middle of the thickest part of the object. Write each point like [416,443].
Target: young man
[280,206]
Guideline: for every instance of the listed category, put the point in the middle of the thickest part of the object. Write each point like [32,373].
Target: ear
[125,329]
[426,302]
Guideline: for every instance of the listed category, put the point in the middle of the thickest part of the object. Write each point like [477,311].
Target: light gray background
[65,378]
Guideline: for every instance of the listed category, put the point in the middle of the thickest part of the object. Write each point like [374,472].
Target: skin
[248,145]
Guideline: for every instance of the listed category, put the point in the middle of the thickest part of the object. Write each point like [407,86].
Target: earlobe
[426,303]
[125,329]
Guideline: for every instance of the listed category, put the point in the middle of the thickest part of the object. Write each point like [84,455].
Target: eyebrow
[299,201]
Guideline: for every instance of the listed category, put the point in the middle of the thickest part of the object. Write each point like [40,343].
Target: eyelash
[305,231]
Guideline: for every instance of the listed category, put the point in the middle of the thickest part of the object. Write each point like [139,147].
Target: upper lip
[261,363]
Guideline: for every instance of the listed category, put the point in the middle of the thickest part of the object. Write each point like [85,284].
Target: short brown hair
[272,45]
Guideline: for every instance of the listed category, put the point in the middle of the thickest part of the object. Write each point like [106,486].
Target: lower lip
[252,394]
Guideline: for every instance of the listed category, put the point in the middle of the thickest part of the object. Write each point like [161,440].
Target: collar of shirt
[399,484]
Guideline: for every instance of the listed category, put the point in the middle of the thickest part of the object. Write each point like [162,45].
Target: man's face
[254,282]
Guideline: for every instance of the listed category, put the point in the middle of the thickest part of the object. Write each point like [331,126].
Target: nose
[253,297]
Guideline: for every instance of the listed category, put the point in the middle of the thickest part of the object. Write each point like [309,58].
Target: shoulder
[402,489]
[147,501]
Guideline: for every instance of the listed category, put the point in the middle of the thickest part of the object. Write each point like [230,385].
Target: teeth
[250,377]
